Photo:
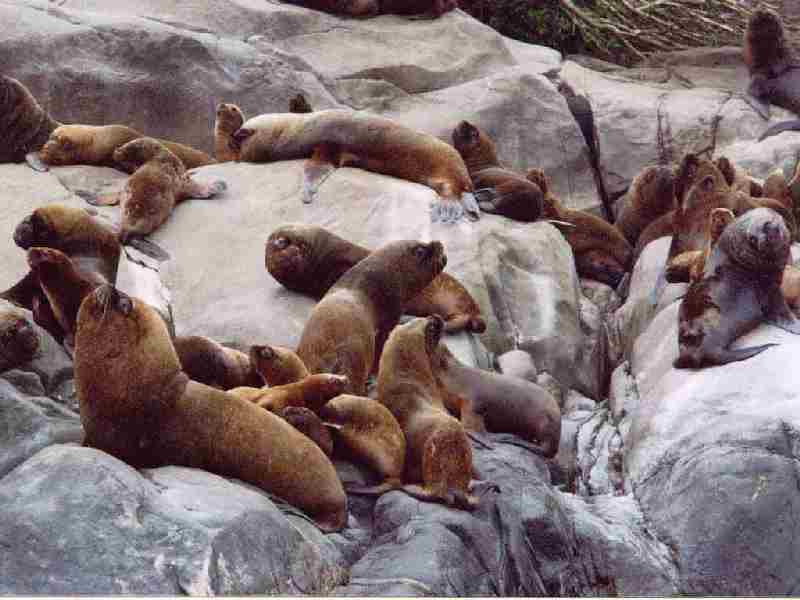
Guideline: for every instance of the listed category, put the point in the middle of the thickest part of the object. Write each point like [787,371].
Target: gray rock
[623,396]
[602,296]
[518,363]
[577,402]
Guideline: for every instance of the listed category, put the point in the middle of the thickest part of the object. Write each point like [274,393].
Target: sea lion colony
[153,399]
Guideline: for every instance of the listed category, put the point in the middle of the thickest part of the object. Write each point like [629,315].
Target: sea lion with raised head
[346,330]
[650,196]
[277,365]
[339,138]
[310,260]
[740,288]
[19,341]
[209,362]
[139,406]
[229,118]
[24,125]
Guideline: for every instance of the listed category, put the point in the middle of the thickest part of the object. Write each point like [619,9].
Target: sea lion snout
[24,233]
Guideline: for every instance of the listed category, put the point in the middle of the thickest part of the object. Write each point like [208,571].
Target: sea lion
[650,196]
[498,190]
[311,392]
[350,8]
[19,341]
[229,118]
[310,425]
[601,251]
[346,330]
[438,464]
[424,8]
[310,260]
[158,183]
[139,406]
[661,227]
[211,363]
[277,365]
[95,145]
[336,138]
[774,75]
[24,125]
[740,288]
[487,401]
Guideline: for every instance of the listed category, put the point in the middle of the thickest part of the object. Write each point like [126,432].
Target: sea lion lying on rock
[24,125]
[310,260]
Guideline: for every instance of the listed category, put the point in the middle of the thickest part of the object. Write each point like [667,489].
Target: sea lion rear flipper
[22,293]
[445,210]
[196,189]
[793,125]
[36,163]
[316,170]
[149,248]
[99,199]
[724,356]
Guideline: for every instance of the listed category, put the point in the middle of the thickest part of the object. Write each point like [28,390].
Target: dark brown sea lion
[601,251]
[229,118]
[310,260]
[740,288]
[650,196]
[336,138]
[211,363]
[19,341]
[277,365]
[95,145]
[139,406]
[24,125]
[346,330]
[487,401]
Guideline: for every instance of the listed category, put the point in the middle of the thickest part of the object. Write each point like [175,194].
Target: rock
[576,402]
[623,396]
[603,296]
[550,383]
[594,448]
[468,349]
[517,363]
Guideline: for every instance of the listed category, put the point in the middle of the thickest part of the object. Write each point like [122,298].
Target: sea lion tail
[35,162]
[792,125]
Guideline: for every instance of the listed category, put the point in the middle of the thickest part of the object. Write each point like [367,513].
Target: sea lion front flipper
[760,106]
[99,199]
[316,170]
[793,125]
[149,248]
[777,312]
[23,292]
[36,163]
[196,189]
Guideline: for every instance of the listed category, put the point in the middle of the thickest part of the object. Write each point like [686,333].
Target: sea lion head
[411,264]
[765,49]
[473,145]
[295,255]
[34,230]
[758,240]
[19,341]
[229,117]
[277,365]
[135,153]
[66,145]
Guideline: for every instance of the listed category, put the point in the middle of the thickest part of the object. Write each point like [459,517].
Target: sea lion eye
[280,243]
[421,252]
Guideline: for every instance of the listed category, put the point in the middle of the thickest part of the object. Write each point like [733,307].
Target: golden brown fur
[311,392]
[137,405]
[211,363]
[650,196]
[601,251]
[19,341]
[347,328]
[24,125]
[277,365]
[310,425]
[228,120]
[310,260]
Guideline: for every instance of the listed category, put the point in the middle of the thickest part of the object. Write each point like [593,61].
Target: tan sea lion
[310,260]
[139,406]
[229,119]
[336,138]
[277,365]
[158,183]
[601,251]
[95,145]
[650,196]
[24,125]
[310,425]
[487,401]
[438,464]
[740,288]
[312,392]
[211,363]
[19,341]
[345,332]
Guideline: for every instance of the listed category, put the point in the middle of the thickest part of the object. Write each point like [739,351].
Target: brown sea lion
[91,244]
[425,8]
[346,330]
[310,260]
[211,363]
[158,183]
[24,125]
[774,75]
[738,179]
[312,392]
[139,406]
[336,138]
[650,196]
[438,464]
[498,190]
[663,226]
[19,341]
[229,119]
[277,365]
[487,401]
[350,8]
[310,425]
[95,145]
[740,288]
[601,251]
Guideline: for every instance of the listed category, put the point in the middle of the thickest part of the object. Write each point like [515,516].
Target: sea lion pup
[498,190]
[95,145]
[601,251]
[310,425]
[438,464]
[650,196]
[347,328]
[312,392]
[341,138]
[19,341]
[487,401]
[277,365]
[158,183]
[24,125]
[741,286]
[227,122]
[211,363]
[139,406]
[310,260]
